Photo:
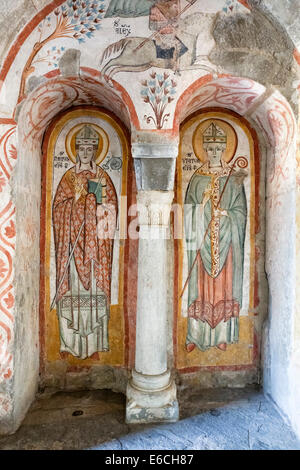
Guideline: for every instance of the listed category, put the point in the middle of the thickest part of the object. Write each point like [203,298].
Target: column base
[151,406]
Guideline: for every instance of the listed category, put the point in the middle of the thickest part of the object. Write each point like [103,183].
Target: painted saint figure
[84,197]
[215,287]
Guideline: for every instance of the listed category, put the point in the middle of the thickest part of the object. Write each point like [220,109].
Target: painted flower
[157,92]
[9,300]
[10,230]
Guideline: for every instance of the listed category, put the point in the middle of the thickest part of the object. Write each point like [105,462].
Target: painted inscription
[121,28]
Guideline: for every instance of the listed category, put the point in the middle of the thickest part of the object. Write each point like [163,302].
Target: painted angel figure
[84,198]
[215,288]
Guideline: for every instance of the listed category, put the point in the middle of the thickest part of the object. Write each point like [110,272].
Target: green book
[96,188]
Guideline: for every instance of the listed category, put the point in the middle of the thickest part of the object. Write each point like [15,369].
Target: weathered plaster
[69,63]
[286,14]
[253,46]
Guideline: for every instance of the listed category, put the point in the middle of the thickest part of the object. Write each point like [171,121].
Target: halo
[102,147]
[231,139]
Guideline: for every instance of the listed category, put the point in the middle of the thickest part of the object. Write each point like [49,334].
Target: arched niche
[271,116]
[35,115]
[84,329]
[218,328]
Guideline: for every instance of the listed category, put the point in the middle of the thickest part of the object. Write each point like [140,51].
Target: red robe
[68,215]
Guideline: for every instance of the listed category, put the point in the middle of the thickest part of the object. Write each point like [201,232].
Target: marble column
[151,391]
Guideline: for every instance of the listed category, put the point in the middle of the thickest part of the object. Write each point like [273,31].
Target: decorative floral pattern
[51,57]
[2,182]
[158,92]
[234,93]
[277,122]
[77,19]
[7,247]
[10,230]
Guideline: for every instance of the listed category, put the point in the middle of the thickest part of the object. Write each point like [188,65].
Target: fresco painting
[75,20]
[171,36]
[217,214]
[158,91]
[85,288]
[131,8]
[83,195]
[86,174]
[215,172]
[172,44]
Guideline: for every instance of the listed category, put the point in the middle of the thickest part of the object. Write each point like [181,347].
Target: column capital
[154,207]
[154,150]
[154,162]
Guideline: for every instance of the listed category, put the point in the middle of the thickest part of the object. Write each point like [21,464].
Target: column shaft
[151,348]
[151,394]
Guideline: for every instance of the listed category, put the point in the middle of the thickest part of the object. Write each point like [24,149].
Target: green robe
[129,8]
[231,233]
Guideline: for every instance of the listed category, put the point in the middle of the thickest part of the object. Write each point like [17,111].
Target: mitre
[214,134]
[87,135]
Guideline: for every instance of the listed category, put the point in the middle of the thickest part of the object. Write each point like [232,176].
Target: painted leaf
[9,300]
[13,152]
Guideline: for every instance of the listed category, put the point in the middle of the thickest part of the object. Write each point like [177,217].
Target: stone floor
[210,419]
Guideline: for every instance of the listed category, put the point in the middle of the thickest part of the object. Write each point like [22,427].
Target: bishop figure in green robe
[215,288]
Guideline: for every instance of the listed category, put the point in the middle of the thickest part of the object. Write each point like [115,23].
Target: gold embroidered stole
[75,182]
[213,191]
